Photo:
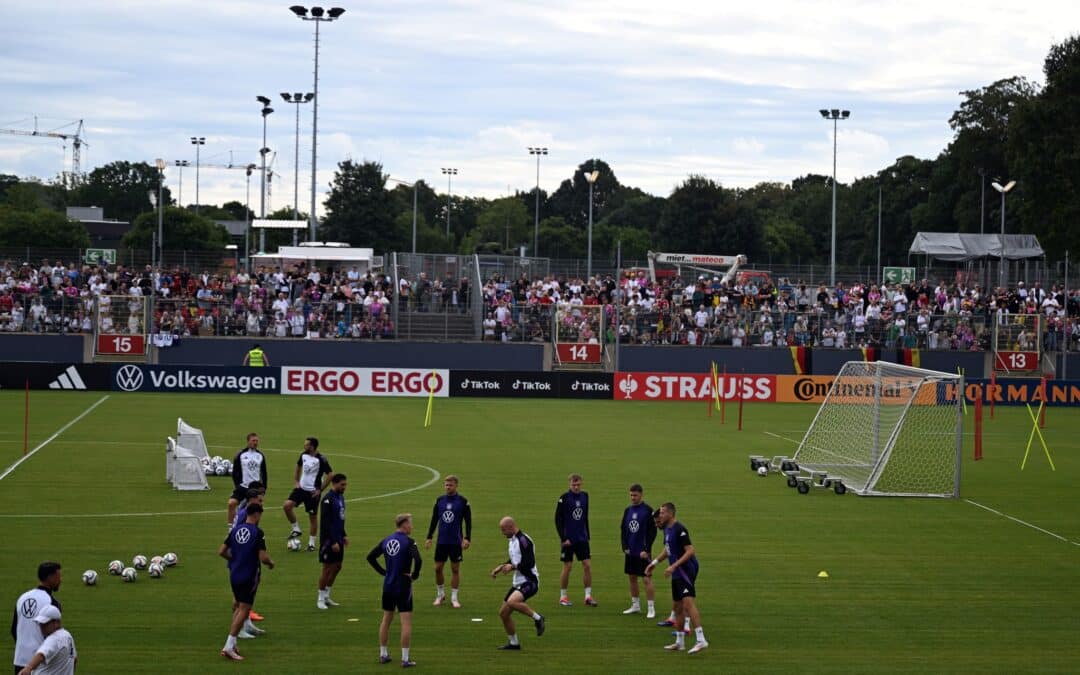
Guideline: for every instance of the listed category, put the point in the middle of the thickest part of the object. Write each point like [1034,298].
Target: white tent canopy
[957,247]
[363,258]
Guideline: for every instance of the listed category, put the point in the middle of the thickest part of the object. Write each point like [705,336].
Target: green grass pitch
[930,585]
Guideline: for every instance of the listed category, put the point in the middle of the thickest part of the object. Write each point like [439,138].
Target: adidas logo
[69,379]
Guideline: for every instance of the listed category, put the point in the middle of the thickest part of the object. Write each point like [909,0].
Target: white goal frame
[886,429]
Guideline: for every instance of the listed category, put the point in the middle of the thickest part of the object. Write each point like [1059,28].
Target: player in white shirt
[26,632]
[56,654]
[248,465]
[522,563]
[309,484]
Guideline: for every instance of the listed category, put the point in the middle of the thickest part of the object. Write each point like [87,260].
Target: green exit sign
[100,256]
[898,275]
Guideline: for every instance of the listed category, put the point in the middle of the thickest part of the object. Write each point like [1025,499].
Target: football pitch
[984,583]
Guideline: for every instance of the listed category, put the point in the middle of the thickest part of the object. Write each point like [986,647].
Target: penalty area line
[50,439]
[1021,522]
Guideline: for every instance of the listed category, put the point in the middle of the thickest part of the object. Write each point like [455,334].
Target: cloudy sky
[658,90]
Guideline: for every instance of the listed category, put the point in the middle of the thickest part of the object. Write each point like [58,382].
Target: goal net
[184,467]
[887,429]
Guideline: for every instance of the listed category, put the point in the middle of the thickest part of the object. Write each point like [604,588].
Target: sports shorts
[327,555]
[451,552]
[527,590]
[244,591]
[300,496]
[635,565]
[400,600]
[576,548]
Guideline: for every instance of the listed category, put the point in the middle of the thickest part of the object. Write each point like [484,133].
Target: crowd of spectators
[309,302]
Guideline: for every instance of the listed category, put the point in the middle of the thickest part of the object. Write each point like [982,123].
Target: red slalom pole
[723,399]
[1046,402]
[26,421]
[993,392]
[740,386]
[978,427]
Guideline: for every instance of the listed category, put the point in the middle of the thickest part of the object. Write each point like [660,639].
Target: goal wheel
[839,488]
[753,465]
[791,482]
[803,488]
[826,483]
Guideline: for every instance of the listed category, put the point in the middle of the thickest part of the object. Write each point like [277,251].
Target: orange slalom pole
[723,399]
[1046,401]
[993,392]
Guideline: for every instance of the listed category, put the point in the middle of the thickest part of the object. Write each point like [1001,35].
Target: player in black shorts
[638,534]
[453,516]
[308,485]
[683,570]
[332,538]
[522,563]
[572,524]
[400,553]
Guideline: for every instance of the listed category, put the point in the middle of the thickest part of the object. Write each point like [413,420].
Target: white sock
[513,639]
[404,653]
[439,591]
[322,594]
[296,528]
[536,616]
[311,540]
[230,642]
[686,624]
[384,650]
[672,617]
[679,639]
[248,626]
[562,592]
[588,591]
[635,601]
[652,605]
[453,594]
[327,593]
[699,633]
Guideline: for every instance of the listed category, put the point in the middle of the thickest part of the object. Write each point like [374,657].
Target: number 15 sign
[108,343]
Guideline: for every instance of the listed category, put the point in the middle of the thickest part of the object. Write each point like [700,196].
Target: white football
[139,562]
[220,470]
[763,471]
[208,469]
[169,559]
[294,544]
[157,560]
[156,570]
[116,567]
[129,574]
[89,577]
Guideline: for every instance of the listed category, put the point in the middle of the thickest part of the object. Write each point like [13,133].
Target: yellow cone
[822,575]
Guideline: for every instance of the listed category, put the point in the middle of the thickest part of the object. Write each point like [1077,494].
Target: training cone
[822,575]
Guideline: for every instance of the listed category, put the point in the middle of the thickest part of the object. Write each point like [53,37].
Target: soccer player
[26,632]
[572,524]
[400,553]
[56,654]
[522,563]
[638,535]
[248,465]
[658,520]
[451,513]
[683,569]
[332,538]
[245,549]
[255,495]
[310,469]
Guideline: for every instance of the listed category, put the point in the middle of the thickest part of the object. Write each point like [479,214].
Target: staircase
[442,326]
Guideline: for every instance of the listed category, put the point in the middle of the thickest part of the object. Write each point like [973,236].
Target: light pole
[835,115]
[266,110]
[247,218]
[982,203]
[591,177]
[160,163]
[181,163]
[450,173]
[198,142]
[318,15]
[413,186]
[296,98]
[1004,190]
[536,211]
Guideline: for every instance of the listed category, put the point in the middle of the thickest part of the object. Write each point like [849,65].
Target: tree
[571,200]
[40,227]
[559,239]
[359,209]
[122,189]
[505,222]
[691,214]
[183,230]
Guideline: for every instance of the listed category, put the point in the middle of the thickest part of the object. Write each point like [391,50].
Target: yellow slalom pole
[715,386]
[1036,431]
[430,399]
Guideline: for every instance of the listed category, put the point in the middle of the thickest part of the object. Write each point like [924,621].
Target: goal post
[888,430]
[184,457]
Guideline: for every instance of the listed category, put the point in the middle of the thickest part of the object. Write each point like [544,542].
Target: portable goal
[888,430]
[184,457]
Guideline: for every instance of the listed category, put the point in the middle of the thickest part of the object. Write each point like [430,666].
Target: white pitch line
[50,438]
[783,438]
[435,475]
[1022,522]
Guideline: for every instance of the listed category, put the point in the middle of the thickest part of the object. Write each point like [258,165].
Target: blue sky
[658,90]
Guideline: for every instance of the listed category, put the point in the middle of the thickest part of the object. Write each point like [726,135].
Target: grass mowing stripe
[50,438]
[1022,522]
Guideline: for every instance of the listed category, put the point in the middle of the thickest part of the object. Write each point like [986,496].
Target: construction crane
[76,140]
[270,180]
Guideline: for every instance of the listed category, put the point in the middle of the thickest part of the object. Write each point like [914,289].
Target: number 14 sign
[108,343]
[578,353]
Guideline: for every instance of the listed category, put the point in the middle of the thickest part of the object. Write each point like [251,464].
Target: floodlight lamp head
[845,114]
[160,164]
[267,110]
[299,10]
[998,186]
[824,113]
[308,96]
[317,12]
[297,97]
[287,96]
[335,12]
[834,113]
[262,99]
[1010,185]
[592,176]
[153,198]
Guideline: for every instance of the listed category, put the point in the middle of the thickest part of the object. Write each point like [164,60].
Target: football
[763,471]
[115,567]
[157,560]
[156,570]
[139,562]
[294,544]
[169,559]
[89,577]
[129,574]
[219,470]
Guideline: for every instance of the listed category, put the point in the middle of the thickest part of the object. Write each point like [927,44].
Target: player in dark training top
[522,563]
[245,549]
[453,516]
[683,570]
[332,538]
[248,465]
[309,484]
[572,524]
[638,534]
[400,554]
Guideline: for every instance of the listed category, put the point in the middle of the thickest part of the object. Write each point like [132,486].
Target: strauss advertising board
[693,387]
[322,381]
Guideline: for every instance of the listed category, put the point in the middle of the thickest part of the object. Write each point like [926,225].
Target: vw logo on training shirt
[448,516]
[634,526]
[577,513]
[29,608]
[129,378]
[392,547]
[242,536]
